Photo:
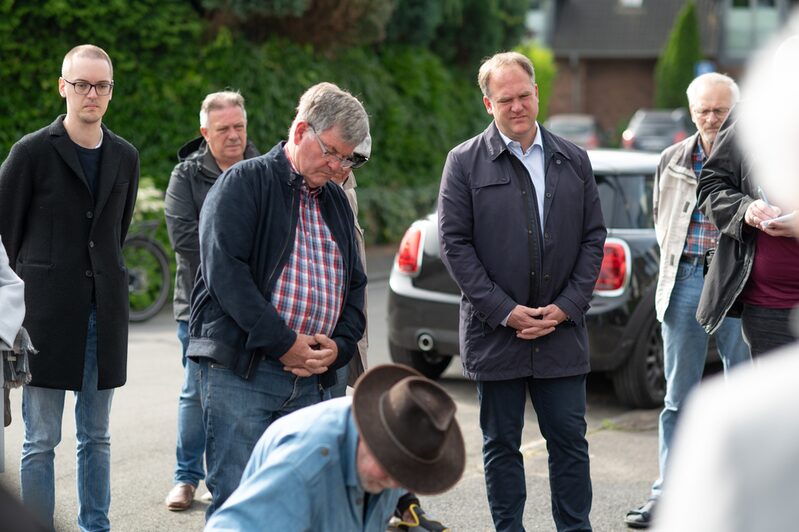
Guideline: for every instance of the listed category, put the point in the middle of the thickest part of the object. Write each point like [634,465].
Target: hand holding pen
[760,210]
[767,217]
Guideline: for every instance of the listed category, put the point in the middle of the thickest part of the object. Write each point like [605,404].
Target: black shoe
[641,517]
[416,520]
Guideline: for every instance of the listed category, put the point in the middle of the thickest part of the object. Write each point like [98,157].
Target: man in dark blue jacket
[522,234]
[278,304]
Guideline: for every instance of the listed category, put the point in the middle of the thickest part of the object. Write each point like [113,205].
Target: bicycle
[149,277]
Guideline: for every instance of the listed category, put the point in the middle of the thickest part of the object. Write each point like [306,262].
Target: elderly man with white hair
[685,236]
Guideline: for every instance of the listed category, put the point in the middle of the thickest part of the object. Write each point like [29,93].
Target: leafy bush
[167,57]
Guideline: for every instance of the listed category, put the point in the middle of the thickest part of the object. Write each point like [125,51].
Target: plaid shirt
[702,234]
[310,291]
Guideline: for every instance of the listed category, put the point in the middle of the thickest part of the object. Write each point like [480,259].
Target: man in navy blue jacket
[522,234]
[278,304]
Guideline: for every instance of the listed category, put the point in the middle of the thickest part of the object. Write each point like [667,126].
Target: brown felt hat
[408,422]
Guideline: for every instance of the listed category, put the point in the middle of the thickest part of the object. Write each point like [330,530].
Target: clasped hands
[531,323]
[310,355]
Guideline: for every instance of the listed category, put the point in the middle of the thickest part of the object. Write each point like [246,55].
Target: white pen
[762,194]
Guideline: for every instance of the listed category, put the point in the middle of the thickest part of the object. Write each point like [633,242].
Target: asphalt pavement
[622,442]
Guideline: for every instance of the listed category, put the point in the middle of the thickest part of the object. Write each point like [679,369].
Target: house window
[749,24]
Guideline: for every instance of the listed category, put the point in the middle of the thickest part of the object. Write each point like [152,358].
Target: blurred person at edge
[754,273]
[67,193]
[12,311]
[409,513]
[222,143]
[685,235]
[735,459]
[277,305]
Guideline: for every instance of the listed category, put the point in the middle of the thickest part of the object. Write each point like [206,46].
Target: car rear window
[626,200]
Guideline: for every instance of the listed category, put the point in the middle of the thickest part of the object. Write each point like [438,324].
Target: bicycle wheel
[148,277]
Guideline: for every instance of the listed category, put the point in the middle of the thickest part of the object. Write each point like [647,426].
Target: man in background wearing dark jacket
[278,305]
[223,126]
[67,194]
[522,234]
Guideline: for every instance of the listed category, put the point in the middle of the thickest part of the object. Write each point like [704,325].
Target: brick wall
[609,89]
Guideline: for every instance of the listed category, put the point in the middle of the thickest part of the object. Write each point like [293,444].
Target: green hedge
[166,58]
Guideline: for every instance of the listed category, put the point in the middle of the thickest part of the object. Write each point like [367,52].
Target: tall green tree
[675,68]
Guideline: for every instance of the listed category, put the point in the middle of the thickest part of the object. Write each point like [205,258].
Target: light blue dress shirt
[533,161]
[302,476]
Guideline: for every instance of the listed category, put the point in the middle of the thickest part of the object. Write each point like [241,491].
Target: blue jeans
[42,412]
[340,388]
[236,413]
[560,406]
[685,345]
[191,432]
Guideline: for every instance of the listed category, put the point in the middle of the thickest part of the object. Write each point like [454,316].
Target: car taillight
[408,257]
[627,139]
[680,136]
[613,273]
[592,142]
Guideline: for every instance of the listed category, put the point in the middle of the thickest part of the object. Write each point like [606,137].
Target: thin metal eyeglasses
[720,112]
[353,161]
[83,88]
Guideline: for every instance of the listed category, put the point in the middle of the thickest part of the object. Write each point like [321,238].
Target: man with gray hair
[685,236]
[278,305]
[223,142]
[522,234]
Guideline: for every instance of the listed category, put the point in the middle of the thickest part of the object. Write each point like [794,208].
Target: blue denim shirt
[302,476]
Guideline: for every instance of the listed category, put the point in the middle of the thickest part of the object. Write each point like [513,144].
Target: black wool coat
[67,247]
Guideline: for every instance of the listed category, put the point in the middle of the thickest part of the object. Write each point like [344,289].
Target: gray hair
[712,78]
[221,100]
[325,106]
[86,50]
[500,60]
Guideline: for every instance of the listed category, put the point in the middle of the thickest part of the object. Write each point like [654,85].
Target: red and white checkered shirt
[702,234]
[310,291]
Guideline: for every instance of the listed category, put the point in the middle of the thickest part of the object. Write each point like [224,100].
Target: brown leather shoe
[180,497]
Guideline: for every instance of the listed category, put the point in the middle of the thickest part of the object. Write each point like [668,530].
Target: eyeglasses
[84,87]
[353,161]
[721,112]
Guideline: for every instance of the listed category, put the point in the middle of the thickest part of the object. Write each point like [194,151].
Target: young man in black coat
[67,194]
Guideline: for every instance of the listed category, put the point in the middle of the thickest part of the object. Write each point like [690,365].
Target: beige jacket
[358,363]
[674,202]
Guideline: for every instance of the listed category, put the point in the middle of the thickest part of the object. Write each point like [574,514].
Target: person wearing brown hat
[343,464]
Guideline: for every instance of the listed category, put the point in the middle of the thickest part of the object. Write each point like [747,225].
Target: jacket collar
[287,174]
[681,160]
[198,148]
[496,145]
[109,159]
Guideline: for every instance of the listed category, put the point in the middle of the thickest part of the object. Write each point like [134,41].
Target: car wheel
[641,381]
[429,364]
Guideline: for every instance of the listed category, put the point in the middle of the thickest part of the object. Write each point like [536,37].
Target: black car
[657,129]
[624,335]
[583,130]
